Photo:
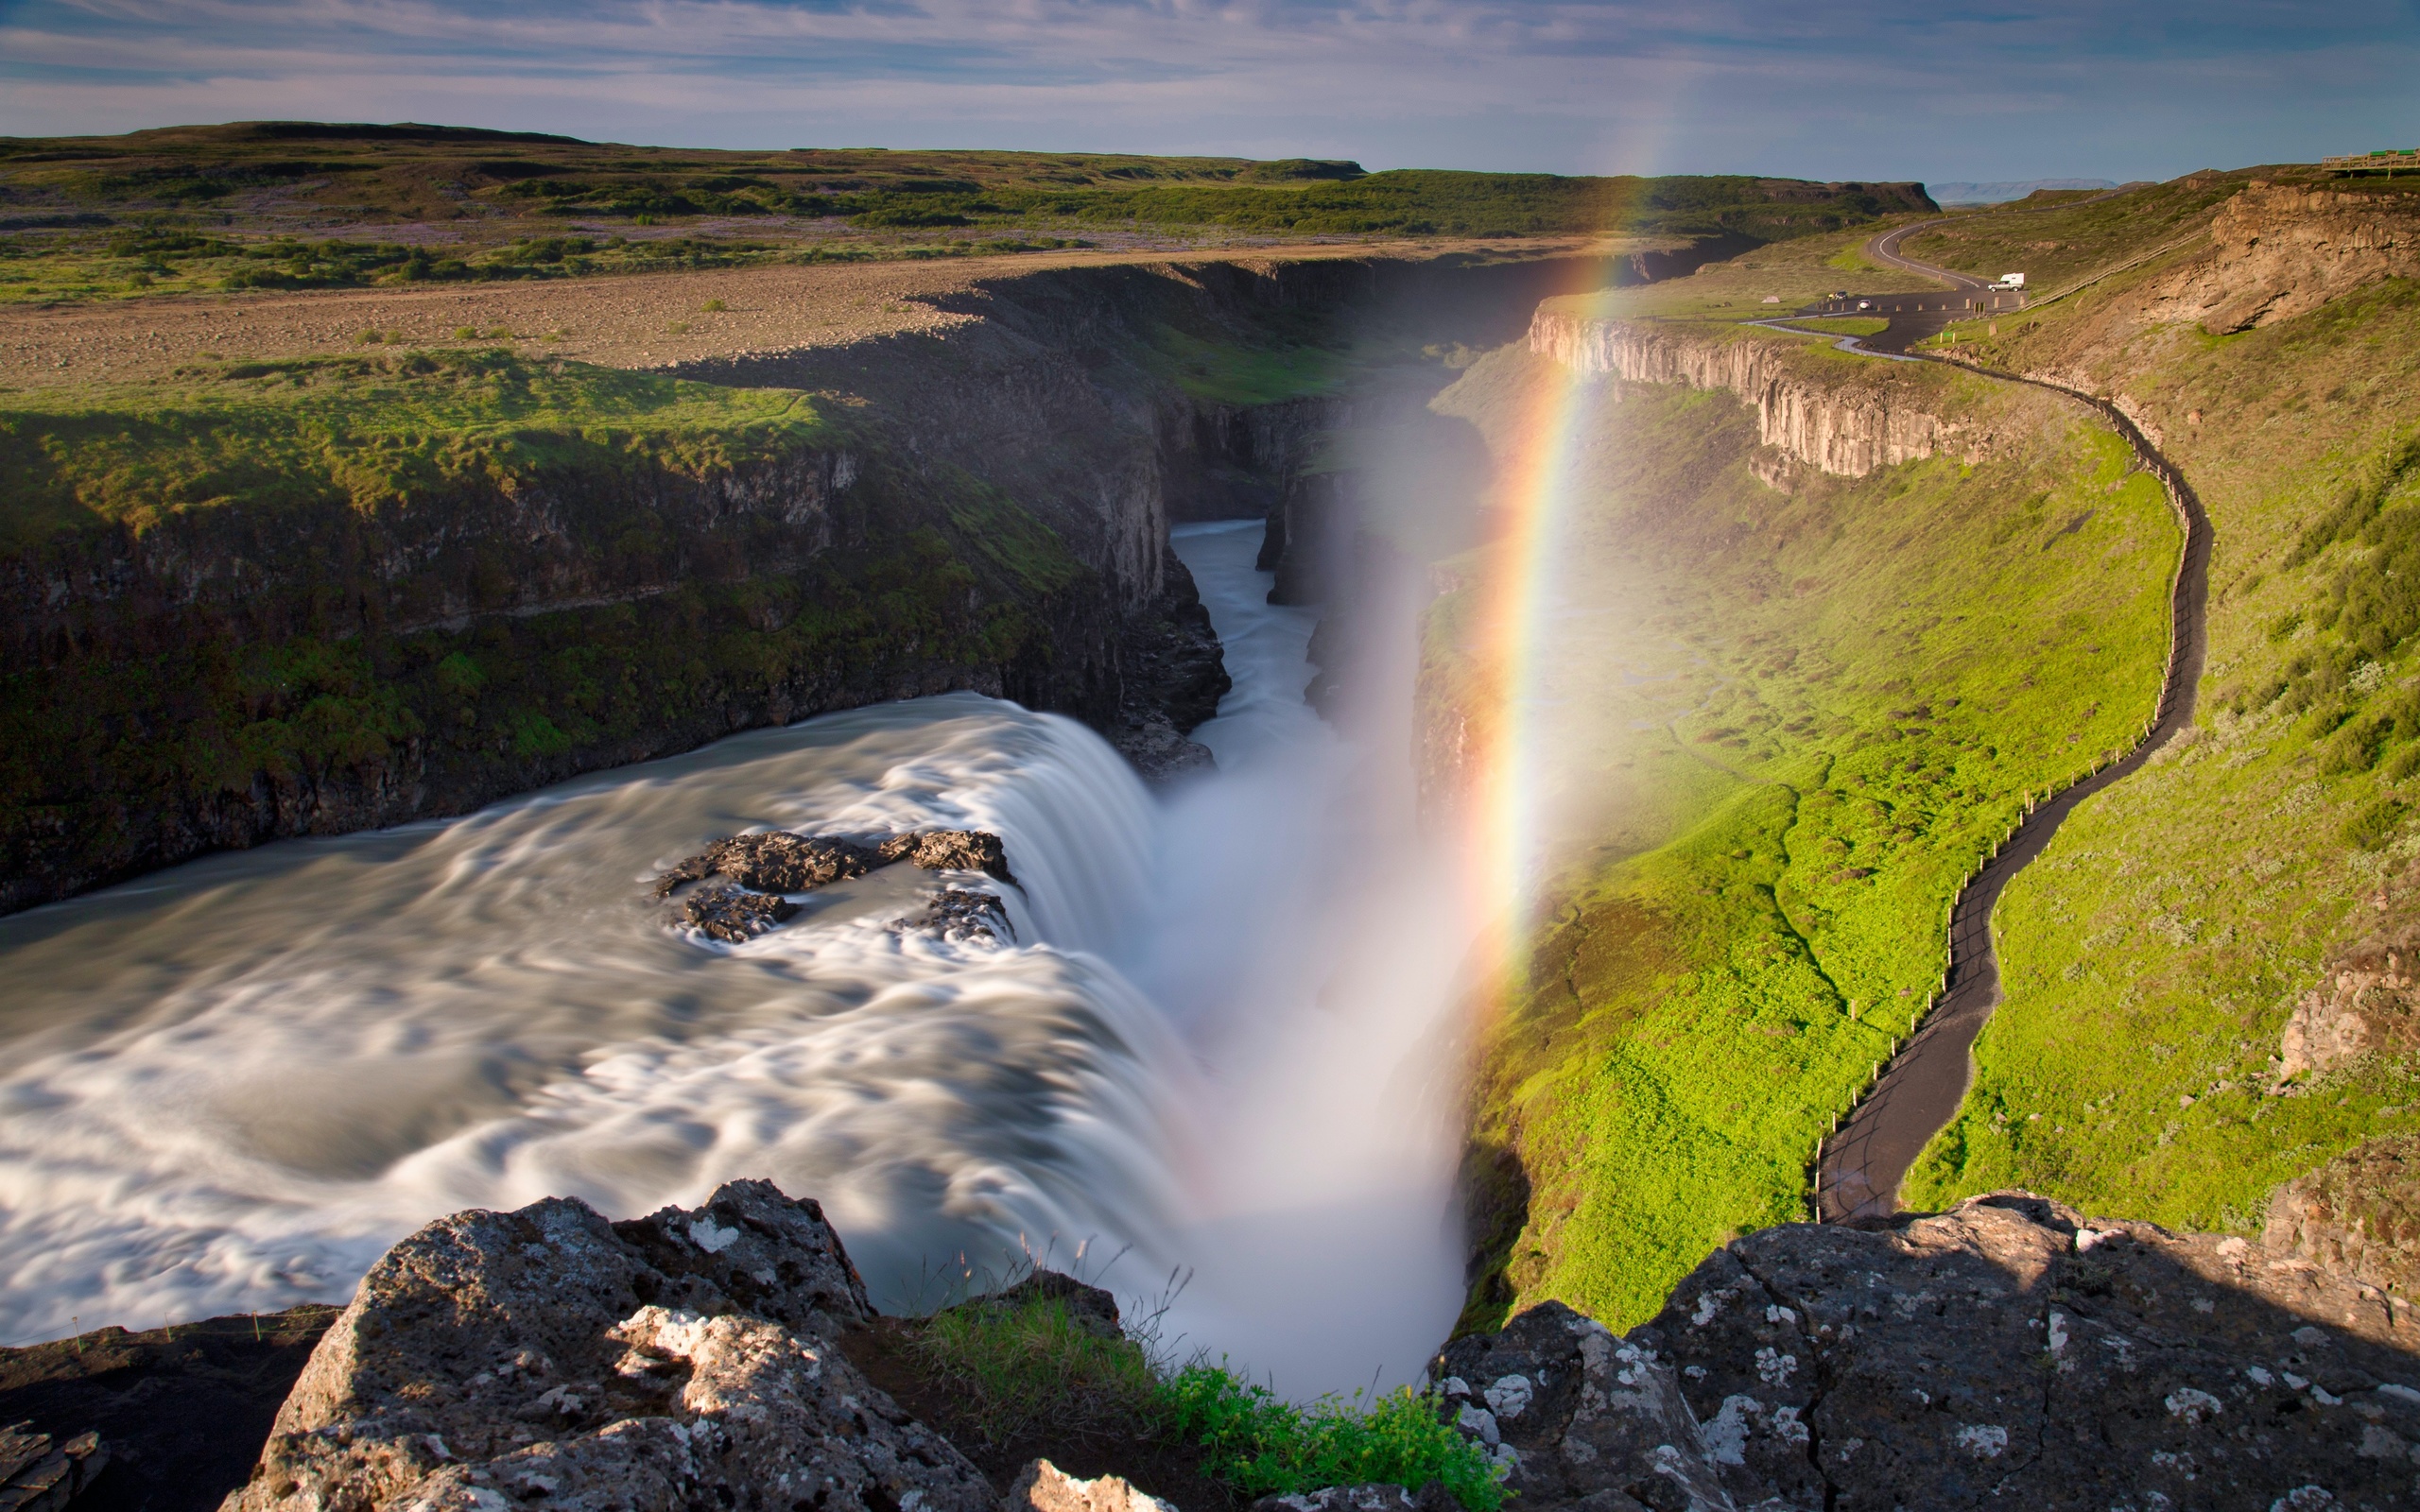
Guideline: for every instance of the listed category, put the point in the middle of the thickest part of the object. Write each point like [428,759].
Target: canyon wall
[1847,424]
[2280,251]
[985,510]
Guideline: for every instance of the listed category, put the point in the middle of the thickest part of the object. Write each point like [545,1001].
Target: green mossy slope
[1797,721]
[2155,953]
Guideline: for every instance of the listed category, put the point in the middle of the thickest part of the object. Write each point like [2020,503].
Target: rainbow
[1516,592]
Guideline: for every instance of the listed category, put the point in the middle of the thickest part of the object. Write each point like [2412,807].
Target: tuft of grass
[1026,1361]
[1023,1359]
[1263,1445]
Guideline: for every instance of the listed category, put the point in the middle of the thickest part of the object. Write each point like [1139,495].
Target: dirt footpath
[648,320]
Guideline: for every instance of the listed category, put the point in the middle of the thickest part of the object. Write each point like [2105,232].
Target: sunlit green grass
[2155,953]
[364,432]
[1816,713]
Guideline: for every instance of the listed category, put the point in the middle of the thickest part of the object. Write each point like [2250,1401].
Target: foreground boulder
[2008,1352]
[546,1357]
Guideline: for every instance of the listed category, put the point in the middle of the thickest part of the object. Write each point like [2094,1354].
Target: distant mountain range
[1992,193]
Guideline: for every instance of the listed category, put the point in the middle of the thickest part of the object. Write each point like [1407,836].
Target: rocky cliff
[1847,423]
[445,621]
[2279,251]
[2008,1352]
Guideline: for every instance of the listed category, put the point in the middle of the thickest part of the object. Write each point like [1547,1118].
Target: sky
[1824,89]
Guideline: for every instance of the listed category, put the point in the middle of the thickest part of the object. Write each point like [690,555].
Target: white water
[1220,1039]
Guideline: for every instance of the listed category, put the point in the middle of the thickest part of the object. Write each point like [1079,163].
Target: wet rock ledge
[754,870]
[2007,1354]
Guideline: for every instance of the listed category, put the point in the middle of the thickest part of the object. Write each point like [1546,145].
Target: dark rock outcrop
[1175,673]
[2358,1215]
[40,1474]
[183,1410]
[2007,1352]
[774,861]
[767,863]
[779,861]
[955,913]
[735,914]
[546,1357]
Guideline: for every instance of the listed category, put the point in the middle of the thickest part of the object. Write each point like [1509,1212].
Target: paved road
[1859,1168]
[1915,316]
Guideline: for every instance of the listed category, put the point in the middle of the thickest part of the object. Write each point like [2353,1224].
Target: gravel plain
[638,321]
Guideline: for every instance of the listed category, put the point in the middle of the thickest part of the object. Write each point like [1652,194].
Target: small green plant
[1024,1357]
[713,306]
[1263,1445]
[466,333]
[678,328]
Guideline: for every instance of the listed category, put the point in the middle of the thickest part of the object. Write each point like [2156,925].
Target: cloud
[1827,89]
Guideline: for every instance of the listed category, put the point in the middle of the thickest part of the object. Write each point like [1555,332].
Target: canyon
[1818,630]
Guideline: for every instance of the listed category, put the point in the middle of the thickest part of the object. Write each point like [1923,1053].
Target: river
[1212,1071]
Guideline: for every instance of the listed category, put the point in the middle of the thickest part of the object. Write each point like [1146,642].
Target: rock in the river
[735,914]
[954,913]
[774,860]
[2009,1353]
[778,861]
[950,851]
[547,1358]
[766,865]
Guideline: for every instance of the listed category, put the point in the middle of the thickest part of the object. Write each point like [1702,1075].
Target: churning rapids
[1221,1042]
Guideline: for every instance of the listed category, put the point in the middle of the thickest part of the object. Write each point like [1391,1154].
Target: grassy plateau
[289,205]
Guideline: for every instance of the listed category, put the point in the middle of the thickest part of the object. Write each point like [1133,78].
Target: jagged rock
[949,851]
[1876,418]
[546,1357]
[1043,1486]
[2366,1004]
[778,861]
[1173,673]
[2358,1215]
[1159,752]
[1573,1412]
[2280,251]
[2008,1352]
[40,1474]
[734,914]
[775,861]
[955,913]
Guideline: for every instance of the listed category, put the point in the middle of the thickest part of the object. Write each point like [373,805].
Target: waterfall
[1213,1045]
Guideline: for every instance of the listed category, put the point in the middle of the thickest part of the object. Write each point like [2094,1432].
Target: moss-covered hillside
[2208,988]
[2156,956]
[1791,722]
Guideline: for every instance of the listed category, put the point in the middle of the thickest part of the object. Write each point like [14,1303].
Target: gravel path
[1859,1169]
